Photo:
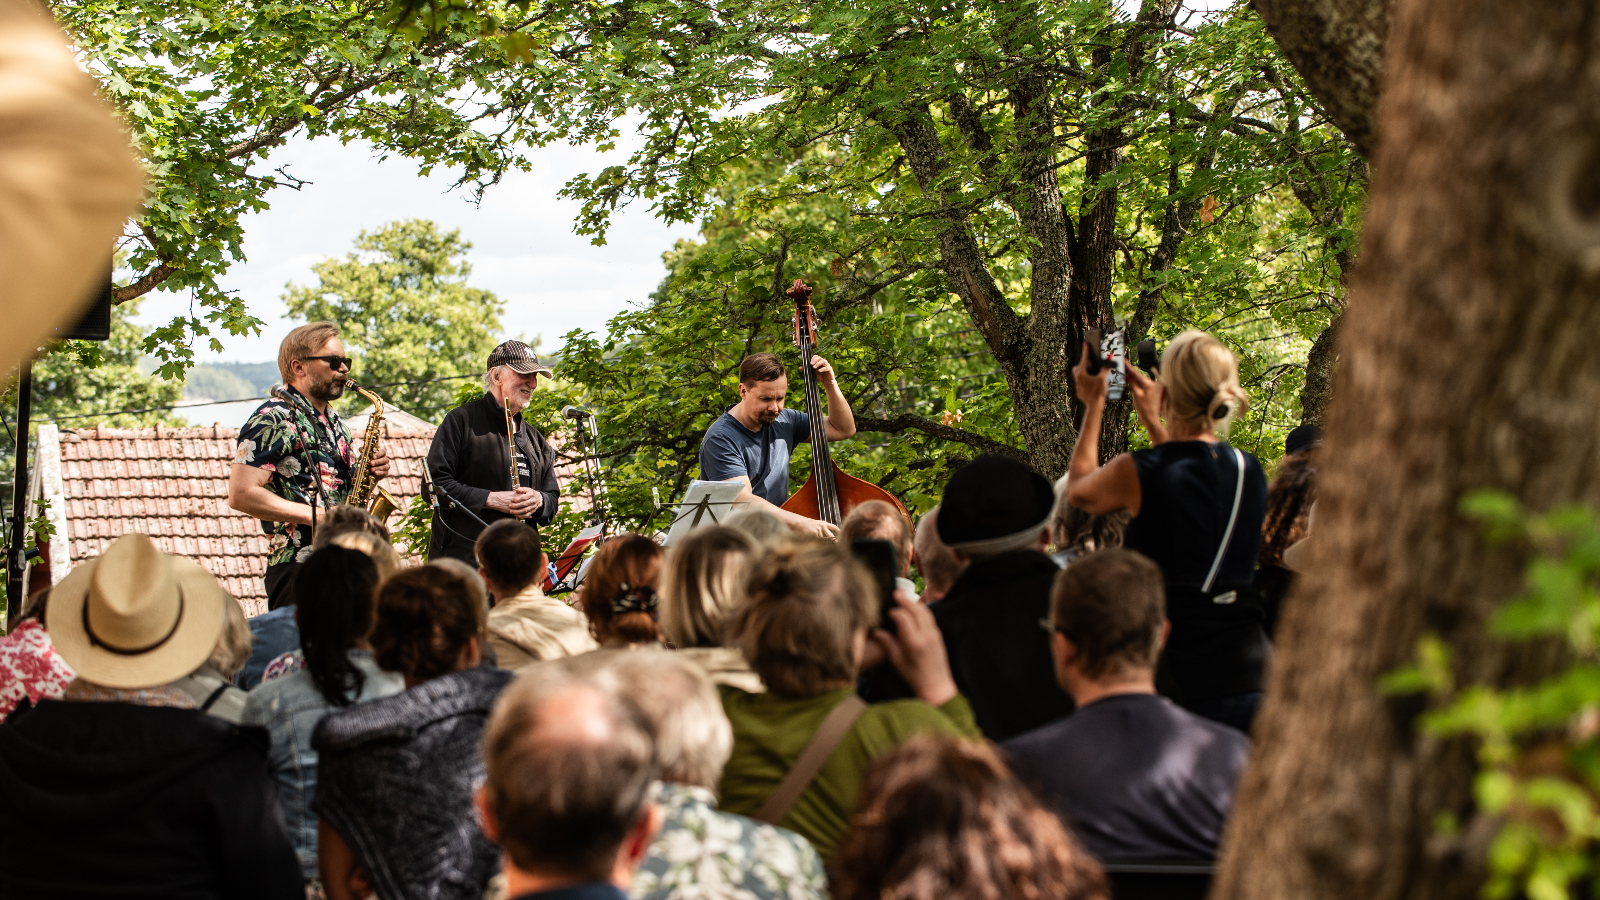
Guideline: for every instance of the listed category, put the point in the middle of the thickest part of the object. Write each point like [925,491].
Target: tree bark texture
[1337,46]
[1466,361]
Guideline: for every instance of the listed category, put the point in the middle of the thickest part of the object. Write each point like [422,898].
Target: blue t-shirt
[730,450]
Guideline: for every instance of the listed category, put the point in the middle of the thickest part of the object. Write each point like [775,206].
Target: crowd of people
[1065,679]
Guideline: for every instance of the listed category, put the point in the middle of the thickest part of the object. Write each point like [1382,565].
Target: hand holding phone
[883,562]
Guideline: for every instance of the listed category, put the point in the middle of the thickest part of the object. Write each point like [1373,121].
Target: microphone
[574,413]
[280,392]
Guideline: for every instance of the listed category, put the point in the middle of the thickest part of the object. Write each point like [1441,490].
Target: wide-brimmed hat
[136,617]
[519,358]
[994,504]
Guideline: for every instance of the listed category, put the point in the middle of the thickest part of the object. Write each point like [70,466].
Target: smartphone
[1113,355]
[883,562]
[1147,356]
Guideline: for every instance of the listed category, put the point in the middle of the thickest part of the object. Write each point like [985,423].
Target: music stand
[705,503]
[564,564]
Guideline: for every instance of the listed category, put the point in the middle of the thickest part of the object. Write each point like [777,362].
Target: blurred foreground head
[69,181]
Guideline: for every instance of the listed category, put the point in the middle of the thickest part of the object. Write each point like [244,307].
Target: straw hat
[136,617]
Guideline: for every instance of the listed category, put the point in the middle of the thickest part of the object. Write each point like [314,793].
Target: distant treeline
[229,381]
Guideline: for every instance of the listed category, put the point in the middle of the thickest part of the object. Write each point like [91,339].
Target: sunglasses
[334,362]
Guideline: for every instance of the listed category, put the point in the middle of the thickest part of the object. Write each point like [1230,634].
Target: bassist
[751,441]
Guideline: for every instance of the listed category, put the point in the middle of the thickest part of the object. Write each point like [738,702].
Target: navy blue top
[1218,647]
[272,634]
[730,450]
[595,891]
[1135,777]
[1186,493]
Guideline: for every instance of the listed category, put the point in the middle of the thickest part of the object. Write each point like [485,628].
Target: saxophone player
[471,462]
[294,455]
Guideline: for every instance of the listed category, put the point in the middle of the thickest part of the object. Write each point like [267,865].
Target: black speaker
[95,325]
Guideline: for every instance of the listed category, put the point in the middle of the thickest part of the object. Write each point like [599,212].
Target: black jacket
[118,800]
[469,460]
[998,653]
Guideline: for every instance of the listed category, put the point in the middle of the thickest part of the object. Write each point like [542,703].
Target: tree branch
[909,421]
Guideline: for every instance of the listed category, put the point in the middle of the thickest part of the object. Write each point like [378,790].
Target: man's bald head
[570,766]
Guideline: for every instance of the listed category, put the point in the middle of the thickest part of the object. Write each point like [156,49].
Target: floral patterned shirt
[272,439]
[702,853]
[30,667]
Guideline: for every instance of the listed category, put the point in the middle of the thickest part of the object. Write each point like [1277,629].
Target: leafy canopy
[209,87]
[405,313]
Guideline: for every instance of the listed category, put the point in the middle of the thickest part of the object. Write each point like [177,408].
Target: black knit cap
[1302,438]
[992,498]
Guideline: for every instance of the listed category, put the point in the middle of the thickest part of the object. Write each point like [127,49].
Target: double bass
[830,493]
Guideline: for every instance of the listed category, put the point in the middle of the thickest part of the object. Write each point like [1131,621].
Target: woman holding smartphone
[1197,505]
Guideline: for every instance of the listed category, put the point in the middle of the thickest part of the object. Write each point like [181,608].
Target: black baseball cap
[519,358]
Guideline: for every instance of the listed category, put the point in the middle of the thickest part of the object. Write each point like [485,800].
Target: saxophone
[363,486]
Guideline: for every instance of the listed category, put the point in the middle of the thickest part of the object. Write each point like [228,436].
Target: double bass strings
[822,457]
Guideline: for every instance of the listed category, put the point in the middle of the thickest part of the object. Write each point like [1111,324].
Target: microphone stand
[313,471]
[591,465]
[435,490]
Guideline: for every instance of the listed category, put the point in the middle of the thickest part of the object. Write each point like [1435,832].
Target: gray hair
[692,736]
[759,524]
[488,378]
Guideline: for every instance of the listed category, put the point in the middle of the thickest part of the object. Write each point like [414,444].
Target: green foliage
[209,87]
[405,313]
[412,531]
[1538,745]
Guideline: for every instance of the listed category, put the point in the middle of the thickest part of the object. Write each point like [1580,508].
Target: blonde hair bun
[1202,380]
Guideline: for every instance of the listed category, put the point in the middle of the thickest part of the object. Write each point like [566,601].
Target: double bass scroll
[830,493]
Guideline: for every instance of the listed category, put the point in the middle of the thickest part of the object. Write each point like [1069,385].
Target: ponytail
[1201,376]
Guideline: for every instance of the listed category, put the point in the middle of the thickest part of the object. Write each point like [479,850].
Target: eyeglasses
[334,362]
[1050,627]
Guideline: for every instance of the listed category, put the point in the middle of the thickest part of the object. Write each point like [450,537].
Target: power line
[130,412]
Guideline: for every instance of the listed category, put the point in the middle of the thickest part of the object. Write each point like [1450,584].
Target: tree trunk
[1337,47]
[1318,389]
[1465,362]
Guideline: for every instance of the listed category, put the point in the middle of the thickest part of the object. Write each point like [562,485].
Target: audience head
[995,505]
[468,574]
[619,593]
[428,624]
[334,590]
[765,527]
[233,645]
[1302,438]
[509,557]
[135,617]
[570,764]
[810,605]
[877,520]
[1201,377]
[704,584]
[939,565]
[34,606]
[692,736]
[1289,501]
[345,518]
[1108,616]
[941,817]
[383,554]
[1073,529]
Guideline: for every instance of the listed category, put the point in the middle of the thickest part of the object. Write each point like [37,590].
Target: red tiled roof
[172,484]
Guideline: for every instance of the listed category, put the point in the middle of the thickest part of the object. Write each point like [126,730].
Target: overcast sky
[523,247]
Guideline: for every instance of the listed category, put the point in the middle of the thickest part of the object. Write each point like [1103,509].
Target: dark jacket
[469,460]
[118,800]
[396,776]
[998,653]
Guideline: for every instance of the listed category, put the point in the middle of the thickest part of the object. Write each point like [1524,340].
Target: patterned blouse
[272,439]
[30,667]
[702,853]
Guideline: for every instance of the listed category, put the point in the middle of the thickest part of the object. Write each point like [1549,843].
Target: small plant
[1538,746]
